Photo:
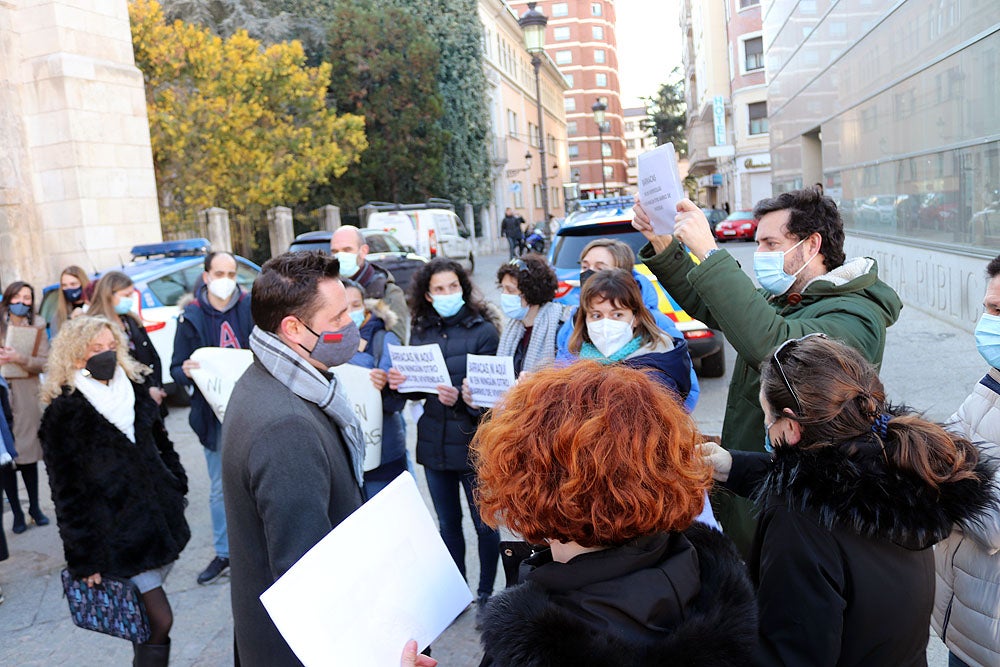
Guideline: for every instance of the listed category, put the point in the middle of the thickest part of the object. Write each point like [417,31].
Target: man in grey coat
[293,449]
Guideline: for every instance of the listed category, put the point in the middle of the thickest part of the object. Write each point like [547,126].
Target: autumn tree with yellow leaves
[234,124]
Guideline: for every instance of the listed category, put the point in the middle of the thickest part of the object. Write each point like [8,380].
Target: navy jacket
[672,368]
[444,433]
[201,325]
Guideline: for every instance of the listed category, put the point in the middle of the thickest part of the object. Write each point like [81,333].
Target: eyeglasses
[518,263]
[787,345]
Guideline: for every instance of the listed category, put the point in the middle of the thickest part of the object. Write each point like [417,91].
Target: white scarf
[115,400]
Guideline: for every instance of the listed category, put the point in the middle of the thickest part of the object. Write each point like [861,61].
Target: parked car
[714,215]
[384,249]
[163,274]
[612,218]
[432,228]
[739,225]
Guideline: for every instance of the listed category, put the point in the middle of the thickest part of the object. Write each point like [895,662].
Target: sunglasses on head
[782,351]
[518,263]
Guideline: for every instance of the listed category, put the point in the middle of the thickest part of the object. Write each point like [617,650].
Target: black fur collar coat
[119,505]
[667,599]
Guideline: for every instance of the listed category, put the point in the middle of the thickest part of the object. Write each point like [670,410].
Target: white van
[432,229]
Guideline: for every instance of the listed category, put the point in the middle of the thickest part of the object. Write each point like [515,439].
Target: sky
[649,46]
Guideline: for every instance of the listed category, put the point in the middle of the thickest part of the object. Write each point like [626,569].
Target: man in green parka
[807,286]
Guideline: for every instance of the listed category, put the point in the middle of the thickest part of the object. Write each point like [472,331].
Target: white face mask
[222,288]
[609,335]
[348,263]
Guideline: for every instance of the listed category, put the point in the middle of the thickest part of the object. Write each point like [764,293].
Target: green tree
[386,67]
[668,113]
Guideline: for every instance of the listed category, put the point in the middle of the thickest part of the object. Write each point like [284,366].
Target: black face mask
[585,276]
[73,294]
[102,365]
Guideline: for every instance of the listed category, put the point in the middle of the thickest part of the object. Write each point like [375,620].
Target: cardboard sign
[423,366]
[489,378]
[660,187]
[220,369]
[367,403]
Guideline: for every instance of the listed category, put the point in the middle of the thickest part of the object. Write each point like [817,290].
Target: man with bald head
[349,247]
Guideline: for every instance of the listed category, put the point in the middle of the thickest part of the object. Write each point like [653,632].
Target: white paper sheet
[220,369]
[660,187]
[423,366]
[379,579]
[367,402]
[489,378]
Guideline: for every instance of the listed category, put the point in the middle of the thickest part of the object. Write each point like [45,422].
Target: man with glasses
[806,285]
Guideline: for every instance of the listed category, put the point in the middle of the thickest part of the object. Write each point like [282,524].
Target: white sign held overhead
[489,378]
[660,187]
[379,579]
[423,366]
[220,368]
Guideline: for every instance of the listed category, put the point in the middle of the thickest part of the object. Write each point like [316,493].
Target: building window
[599,56]
[609,172]
[598,32]
[569,79]
[743,3]
[630,126]
[553,198]
[560,9]
[630,144]
[758,117]
[631,162]
[569,104]
[564,57]
[596,9]
[574,150]
[512,123]
[571,128]
[550,142]
[601,80]
[605,149]
[517,187]
[754,49]
[560,34]
[532,134]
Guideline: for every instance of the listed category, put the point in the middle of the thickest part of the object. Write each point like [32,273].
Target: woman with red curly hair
[601,465]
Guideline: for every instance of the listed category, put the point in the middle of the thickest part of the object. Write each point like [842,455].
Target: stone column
[470,222]
[219,235]
[329,217]
[279,229]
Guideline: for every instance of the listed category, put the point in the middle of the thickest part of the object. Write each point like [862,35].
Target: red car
[739,225]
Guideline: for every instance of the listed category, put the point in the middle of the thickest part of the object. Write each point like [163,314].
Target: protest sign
[423,366]
[489,378]
[367,403]
[24,340]
[220,369]
[660,187]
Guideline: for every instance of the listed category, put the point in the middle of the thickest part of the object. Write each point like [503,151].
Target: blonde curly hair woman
[117,484]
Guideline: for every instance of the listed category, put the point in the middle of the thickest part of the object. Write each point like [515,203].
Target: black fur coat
[119,505]
[668,599]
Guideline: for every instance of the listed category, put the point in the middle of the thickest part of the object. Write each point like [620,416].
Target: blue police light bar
[183,248]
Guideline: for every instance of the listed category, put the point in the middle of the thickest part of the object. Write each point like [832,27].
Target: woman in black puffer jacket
[446,311]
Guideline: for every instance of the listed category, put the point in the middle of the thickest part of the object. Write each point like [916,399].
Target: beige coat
[25,404]
[967,598]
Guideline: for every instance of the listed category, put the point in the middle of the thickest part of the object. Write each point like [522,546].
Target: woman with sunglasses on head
[852,497]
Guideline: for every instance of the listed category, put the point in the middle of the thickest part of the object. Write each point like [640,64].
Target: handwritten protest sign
[367,403]
[220,369]
[423,366]
[489,378]
[660,187]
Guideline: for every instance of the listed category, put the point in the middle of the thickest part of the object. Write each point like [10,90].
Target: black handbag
[113,607]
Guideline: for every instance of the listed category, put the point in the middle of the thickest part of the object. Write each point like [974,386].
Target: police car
[611,218]
[163,274]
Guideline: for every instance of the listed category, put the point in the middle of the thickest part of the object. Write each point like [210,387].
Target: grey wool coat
[287,481]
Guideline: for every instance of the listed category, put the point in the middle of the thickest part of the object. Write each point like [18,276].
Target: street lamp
[533,25]
[599,108]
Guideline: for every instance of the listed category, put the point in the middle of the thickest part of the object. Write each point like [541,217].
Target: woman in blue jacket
[445,311]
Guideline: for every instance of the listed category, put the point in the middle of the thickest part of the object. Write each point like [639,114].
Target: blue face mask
[988,339]
[19,309]
[511,306]
[769,267]
[358,317]
[124,305]
[768,446]
[447,305]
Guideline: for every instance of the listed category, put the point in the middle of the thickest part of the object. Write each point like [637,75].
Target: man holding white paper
[293,448]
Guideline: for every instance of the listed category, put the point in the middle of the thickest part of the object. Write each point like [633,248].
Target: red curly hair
[593,454]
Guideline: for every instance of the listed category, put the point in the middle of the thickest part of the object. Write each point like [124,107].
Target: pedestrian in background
[601,467]
[218,316]
[806,284]
[18,310]
[853,497]
[114,300]
[7,454]
[117,483]
[292,448]
[967,604]
[348,245]
[448,313]
[510,227]
[71,302]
